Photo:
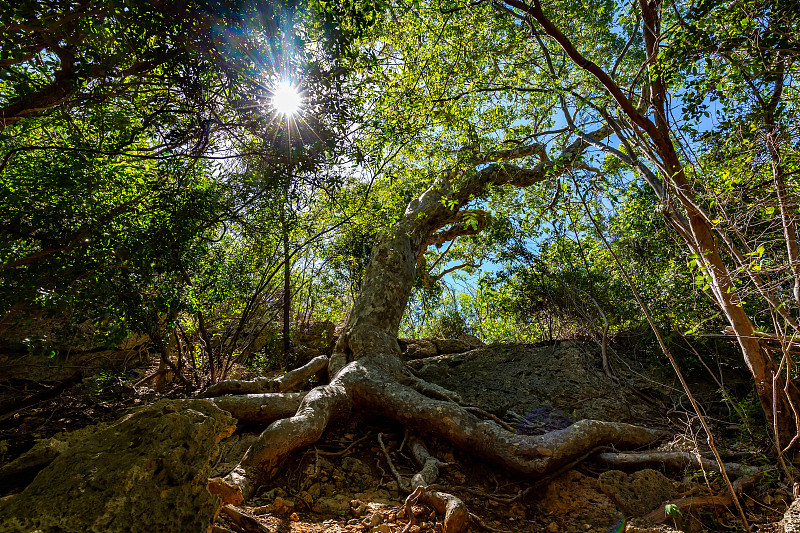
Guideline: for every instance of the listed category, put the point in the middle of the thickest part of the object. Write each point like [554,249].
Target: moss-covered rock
[145,472]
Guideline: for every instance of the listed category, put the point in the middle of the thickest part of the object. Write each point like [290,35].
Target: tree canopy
[594,163]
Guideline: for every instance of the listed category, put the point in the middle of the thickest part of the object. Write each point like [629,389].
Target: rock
[373,520]
[306,498]
[146,472]
[357,508]
[230,493]
[338,475]
[319,469]
[543,419]
[315,490]
[790,523]
[337,504]
[517,510]
[577,496]
[637,494]
[230,451]
[447,346]
[421,349]
[517,377]
[355,466]
[472,341]
[312,339]
[29,463]
[274,493]
[377,497]
[383,528]
[316,334]
[552,527]
[283,505]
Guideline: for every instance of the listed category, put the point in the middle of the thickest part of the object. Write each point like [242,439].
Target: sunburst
[286,99]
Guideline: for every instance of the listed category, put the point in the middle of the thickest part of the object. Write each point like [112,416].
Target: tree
[452,104]
[457,105]
[649,130]
[114,119]
[366,371]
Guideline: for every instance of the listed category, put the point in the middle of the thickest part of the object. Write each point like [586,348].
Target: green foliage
[671,510]
[145,185]
[108,383]
[98,234]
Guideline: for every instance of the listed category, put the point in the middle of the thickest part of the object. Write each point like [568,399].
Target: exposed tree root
[480,412]
[33,399]
[456,516]
[261,461]
[375,391]
[431,390]
[483,525]
[369,388]
[674,461]
[404,486]
[283,383]
[262,408]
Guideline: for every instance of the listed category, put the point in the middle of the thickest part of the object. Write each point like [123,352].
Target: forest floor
[345,482]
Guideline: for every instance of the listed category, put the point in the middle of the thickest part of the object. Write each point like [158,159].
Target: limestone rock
[542,420]
[313,339]
[420,349]
[355,466]
[145,472]
[577,496]
[337,504]
[472,341]
[566,375]
[446,346]
[283,506]
[637,494]
[791,519]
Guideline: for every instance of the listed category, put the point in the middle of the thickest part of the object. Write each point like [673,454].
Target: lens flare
[286,99]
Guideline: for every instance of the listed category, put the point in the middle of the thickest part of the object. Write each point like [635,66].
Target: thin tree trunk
[698,233]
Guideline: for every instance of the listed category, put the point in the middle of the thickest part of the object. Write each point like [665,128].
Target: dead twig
[688,504]
[400,481]
[483,525]
[244,520]
[349,447]
[479,493]
[490,416]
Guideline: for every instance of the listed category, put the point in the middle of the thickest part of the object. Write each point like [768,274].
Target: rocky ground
[347,481]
